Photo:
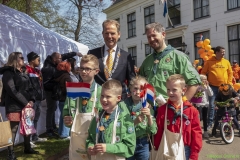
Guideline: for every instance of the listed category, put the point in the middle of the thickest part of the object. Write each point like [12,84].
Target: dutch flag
[147,94]
[78,89]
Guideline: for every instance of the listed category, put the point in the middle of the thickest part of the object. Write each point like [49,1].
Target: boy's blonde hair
[202,76]
[177,77]
[90,58]
[137,79]
[113,85]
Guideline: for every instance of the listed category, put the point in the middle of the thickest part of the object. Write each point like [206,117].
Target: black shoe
[214,132]
[30,151]
[11,155]
[51,133]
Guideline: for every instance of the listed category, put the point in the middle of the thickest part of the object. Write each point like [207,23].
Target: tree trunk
[79,22]
[4,2]
[28,7]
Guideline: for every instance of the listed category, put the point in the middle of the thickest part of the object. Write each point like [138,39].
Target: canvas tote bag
[5,133]
[171,146]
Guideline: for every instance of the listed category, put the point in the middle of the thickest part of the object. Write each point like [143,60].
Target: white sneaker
[33,145]
[40,139]
[209,128]
[67,138]
[205,134]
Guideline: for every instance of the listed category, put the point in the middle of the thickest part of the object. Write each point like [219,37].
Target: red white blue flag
[78,89]
[147,94]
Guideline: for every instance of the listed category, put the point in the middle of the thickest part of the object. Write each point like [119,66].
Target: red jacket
[192,133]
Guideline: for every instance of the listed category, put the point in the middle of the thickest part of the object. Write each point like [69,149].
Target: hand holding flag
[147,94]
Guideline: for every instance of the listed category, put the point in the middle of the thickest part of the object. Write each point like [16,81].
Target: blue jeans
[141,150]
[63,131]
[187,152]
[211,109]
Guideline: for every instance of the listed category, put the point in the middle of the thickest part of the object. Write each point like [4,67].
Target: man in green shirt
[166,61]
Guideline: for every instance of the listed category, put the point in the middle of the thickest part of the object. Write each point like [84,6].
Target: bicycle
[226,122]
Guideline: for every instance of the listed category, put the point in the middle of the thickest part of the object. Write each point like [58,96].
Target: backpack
[57,92]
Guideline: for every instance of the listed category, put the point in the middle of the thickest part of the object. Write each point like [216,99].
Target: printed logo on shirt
[167,60]
[117,139]
[165,73]
[130,130]
[118,124]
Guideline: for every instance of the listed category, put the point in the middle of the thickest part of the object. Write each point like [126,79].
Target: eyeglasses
[22,58]
[87,70]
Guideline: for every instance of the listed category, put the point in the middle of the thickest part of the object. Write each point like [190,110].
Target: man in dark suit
[114,62]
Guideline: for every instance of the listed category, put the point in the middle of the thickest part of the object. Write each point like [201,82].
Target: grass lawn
[51,147]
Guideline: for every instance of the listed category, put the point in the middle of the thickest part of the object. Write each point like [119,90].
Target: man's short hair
[156,26]
[54,54]
[110,21]
[90,58]
[113,85]
[218,48]
[177,77]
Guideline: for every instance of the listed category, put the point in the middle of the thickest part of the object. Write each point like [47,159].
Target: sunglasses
[22,58]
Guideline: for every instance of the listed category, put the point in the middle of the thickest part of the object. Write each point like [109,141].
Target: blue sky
[103,16]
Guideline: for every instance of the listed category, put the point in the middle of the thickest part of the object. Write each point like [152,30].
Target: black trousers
[203,112]
[51,108]
[14,128]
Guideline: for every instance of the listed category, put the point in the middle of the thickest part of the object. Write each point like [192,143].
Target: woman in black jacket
[16,94]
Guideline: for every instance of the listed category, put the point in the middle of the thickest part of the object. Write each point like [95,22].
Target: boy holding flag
[142,115]
[81,104]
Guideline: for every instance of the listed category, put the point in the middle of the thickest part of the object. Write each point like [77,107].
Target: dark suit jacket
[124,70]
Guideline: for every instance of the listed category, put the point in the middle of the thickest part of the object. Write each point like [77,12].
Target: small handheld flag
[78,89]
[147,94]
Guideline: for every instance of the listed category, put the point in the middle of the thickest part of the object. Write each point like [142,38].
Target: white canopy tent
[20,33]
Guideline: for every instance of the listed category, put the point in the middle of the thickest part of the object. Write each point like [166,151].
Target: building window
[131,20]
[176,43]
[149,16]
[174,12]
[197,37]
[148,50]
[133,52]
[232,4]
[118,20]
[201,8]
[234,42]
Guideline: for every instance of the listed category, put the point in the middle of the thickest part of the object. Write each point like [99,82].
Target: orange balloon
[199,44]
[210,52]
[203,54]
[196,61]
[199,67]
[205,58]
[236,86]
[206,42]
[208,47]
[201,50]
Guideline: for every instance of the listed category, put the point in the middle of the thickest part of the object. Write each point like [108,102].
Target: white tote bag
[171,146]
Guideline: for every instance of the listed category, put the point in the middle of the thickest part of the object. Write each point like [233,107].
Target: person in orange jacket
[236,71]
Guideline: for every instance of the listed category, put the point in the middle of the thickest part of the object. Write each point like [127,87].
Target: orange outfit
[236,71]
[218,71]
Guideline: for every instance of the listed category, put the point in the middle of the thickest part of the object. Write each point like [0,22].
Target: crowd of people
[112,124]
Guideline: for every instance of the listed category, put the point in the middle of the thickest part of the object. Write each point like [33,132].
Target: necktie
[109,63]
